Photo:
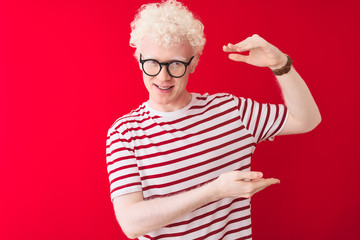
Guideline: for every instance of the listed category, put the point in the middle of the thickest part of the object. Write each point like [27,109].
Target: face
[167,93]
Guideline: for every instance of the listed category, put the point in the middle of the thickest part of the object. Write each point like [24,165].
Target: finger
[257,186]
[249,43]
[229,48]
[243,44]
[239,57]
[241,175]
[264,183]
[258,179]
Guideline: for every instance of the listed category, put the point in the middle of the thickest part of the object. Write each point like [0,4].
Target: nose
[163,74]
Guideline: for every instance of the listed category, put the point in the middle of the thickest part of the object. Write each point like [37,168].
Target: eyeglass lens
[176,69]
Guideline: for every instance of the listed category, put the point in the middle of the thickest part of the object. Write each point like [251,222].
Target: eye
[176,64]
[151,62]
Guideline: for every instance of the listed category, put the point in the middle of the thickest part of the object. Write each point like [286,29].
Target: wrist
[285,68]
[281,63]
[213,191]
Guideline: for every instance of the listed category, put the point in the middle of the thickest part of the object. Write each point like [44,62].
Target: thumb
[238,57]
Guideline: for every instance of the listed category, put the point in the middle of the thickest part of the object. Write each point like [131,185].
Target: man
[179,165]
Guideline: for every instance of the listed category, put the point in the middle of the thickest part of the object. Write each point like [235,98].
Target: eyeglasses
[152,67]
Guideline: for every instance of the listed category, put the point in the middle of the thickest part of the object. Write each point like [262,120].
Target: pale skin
[137,216]
[304,113]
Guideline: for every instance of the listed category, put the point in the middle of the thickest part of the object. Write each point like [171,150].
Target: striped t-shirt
[164,153]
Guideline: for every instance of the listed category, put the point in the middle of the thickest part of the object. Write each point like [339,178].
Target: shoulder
[216,103]
[217,97]
[134,116]
[226,97]
[229,101]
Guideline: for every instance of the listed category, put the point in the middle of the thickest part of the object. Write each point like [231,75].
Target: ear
[194,63]
[137,57]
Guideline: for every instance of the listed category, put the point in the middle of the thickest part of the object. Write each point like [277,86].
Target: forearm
[304,113]
[300,103]
[145,216]
[138,217]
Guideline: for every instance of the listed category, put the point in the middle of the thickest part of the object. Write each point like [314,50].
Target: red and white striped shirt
[164,153]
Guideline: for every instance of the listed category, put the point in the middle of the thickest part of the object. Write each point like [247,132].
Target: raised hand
[261,53]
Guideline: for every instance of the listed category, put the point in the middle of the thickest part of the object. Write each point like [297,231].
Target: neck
[171,107]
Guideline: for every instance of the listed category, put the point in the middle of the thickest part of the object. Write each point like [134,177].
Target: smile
[163,88]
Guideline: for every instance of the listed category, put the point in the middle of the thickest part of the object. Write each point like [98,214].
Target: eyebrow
[172,59]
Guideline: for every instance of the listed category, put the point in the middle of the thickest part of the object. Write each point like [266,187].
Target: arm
[304,114]
[137,216]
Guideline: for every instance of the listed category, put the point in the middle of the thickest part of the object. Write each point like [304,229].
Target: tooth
[164,88]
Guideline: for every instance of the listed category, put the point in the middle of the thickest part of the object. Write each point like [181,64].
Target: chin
[160,99]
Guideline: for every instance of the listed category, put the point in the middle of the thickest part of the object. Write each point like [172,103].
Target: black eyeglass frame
[167,64]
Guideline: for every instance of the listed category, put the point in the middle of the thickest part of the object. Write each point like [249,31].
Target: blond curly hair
[169,23]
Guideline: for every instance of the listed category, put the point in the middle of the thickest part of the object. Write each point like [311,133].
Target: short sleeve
[263,121]
[121,165]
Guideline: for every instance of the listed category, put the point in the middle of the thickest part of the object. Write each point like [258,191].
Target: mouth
[163,87]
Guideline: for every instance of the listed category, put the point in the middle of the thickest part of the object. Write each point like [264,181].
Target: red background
[67,73]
